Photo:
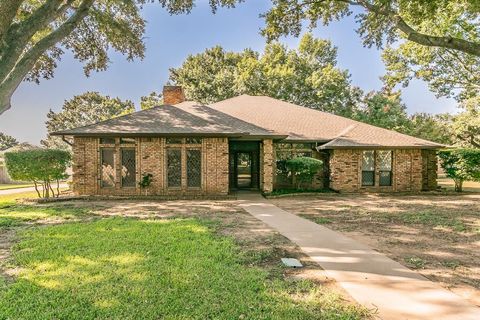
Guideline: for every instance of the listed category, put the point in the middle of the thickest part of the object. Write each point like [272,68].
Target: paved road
[371,278]
[21,190]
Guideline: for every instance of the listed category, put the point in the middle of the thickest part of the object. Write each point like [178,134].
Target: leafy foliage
[303,169]
[448,72]
[431,127]
[466,125]
[307,76]
[437,41]
[386,111]
[34,35]
[152,100]
[7,141]
[461,165]
[40,165]
[82,110]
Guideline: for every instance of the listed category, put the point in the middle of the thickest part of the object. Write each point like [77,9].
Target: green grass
[13,214]
[15,186]
[120,268]
[415,262]
[433,218]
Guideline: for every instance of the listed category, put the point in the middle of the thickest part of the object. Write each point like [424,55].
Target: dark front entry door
[243,170]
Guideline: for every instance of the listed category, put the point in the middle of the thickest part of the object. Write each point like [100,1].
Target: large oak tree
[433,40]
[34,34]
[307,75]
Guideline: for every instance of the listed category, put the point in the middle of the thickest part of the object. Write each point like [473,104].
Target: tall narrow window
[385,167]
[107,160]
[368,168]
[194,168]
[174,168]
[128,168]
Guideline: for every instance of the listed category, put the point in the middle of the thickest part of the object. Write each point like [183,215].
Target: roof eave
[379,147]
[183,134]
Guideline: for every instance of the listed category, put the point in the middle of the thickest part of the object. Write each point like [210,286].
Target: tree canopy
[152,100]
[82,110]
[466,125]
[436,41]
[7,141]
[35,34]
[461,165]
[306,76]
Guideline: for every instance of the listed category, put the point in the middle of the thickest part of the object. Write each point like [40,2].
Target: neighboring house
[240,143]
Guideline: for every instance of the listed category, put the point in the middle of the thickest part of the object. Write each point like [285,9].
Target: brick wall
[429,170]
[150,158]
[412,170]
[267,160]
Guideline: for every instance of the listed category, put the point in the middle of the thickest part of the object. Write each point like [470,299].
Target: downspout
[66,141]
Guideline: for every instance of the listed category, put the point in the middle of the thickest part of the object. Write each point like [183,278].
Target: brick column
[267,159]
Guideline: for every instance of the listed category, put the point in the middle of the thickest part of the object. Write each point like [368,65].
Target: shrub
[461,165]
[41,166]
[303,169]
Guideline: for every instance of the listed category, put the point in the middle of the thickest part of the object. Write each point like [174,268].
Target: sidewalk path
[28,189]
[370,277]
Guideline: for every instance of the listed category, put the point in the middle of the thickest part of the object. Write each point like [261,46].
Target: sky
[169,40]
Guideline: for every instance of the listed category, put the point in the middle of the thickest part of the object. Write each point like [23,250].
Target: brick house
[239,143]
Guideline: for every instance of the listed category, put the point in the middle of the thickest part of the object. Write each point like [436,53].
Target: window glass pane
[368,178]
[302,146]
[174,167]
[385,160]
[194,168]
[385,178]
[174,140]
[107,167]
[127,140]
[107,140]
[194,140]
[368,160]
[128,168]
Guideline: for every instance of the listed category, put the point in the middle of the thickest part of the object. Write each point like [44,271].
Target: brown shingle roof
[304,124]
[252,116]
[187,118]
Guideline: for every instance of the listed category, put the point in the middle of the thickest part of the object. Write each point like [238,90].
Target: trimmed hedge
[303,169]
[41,166]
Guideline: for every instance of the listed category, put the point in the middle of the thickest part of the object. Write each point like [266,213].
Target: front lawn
[153,261]
[437,235]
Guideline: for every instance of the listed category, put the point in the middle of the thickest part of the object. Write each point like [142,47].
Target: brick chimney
[173,95]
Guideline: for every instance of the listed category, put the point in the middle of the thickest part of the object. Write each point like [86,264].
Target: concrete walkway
[371,278]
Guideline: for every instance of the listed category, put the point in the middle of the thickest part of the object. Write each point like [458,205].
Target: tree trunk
[458,185]
[36,188]
[46,187]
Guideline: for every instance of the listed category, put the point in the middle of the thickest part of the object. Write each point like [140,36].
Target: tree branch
[8,11]
[15,77]
[19,35]
[469,47]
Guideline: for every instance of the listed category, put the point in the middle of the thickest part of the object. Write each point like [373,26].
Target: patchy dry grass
[437,235]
